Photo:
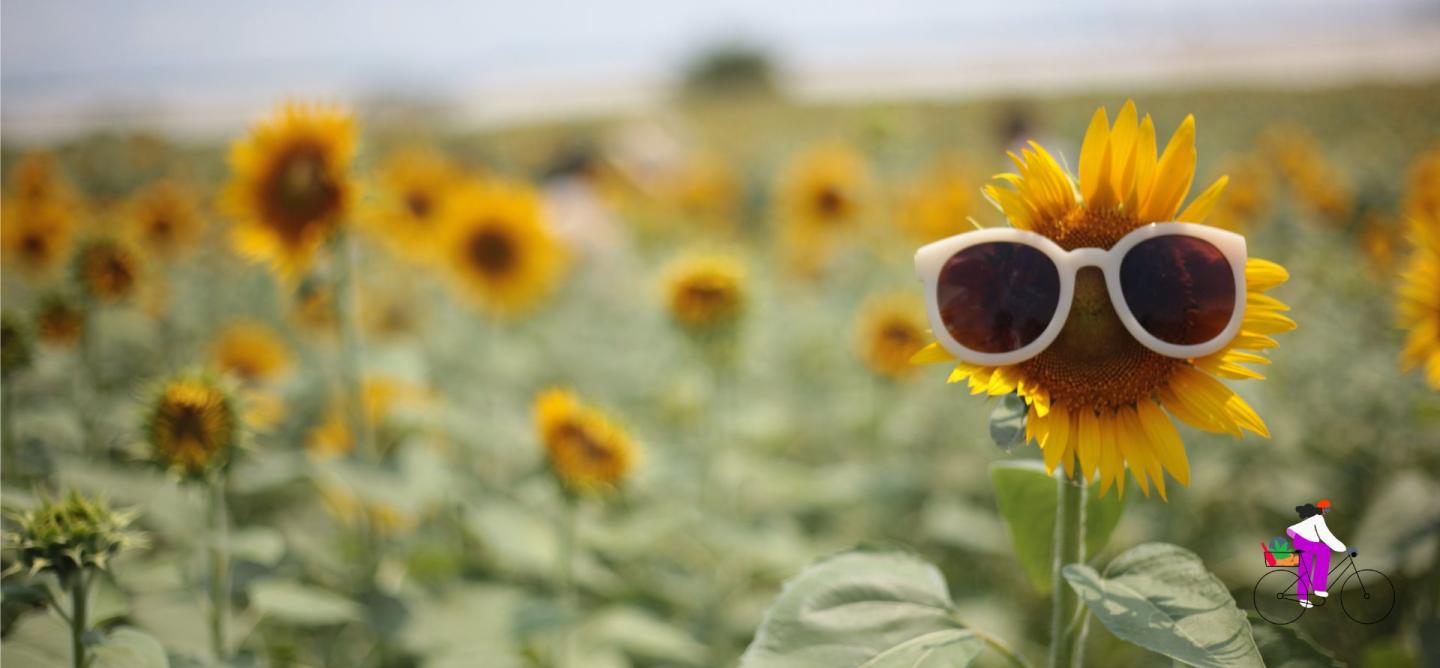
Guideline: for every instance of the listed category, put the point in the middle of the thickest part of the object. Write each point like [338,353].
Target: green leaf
[1160,597]
[1288,647]
[872,609]
[301,604]
[1007,422]
[129,648]
[1027,498]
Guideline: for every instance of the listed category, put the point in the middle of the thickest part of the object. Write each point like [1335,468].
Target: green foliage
[1288,646]
[43,641]
[877,609]
[1161,597]
[730,70]
[300,604]
[1027,498]
[1007,422]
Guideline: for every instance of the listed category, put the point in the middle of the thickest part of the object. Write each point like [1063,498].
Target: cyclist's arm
[1327,537]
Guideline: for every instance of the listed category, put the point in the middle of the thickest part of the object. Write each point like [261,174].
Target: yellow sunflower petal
[1262,275]
[1088,447]
[1200,208]
[931,354]
[1173,175]
[1166,441]
[1092,154]
[1145,163]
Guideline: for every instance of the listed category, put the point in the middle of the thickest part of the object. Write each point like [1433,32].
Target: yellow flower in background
[37,178]
[825,188]
[498,247]
[59,320]
[1246,202]
[165,219]
[107,270]
[381,397]
[312,306]
[890,330]
[1312,178]
[939,204]
[1097,398]
[249,351]
[706,187]
[413,186]
[36,235]
[1418,301]
[704,290]
[1422,188]
[389,313]
[587,451]
[345,505]
[192,426]
[290,186]
[1379,239]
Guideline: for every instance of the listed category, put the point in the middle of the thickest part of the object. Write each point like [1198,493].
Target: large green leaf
[1160,597]
[1289,647]
[1027,497]
[872,609]
[301,604]
[129,648]
[1007,422]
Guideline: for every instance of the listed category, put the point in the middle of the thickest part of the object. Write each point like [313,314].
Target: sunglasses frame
[930,260]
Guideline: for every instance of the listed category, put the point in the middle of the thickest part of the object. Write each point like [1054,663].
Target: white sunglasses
[1001,295]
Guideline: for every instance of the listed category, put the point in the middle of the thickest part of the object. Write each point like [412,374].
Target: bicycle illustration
[1366,595]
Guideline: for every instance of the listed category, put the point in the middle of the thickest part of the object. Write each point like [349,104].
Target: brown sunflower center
[492,251]
[418,203]
[111,273]
[189,430]
[34,246]
[899,334]
[829,202]
[1085,228]
[1095,363]
[300,191]
[161,229]
[708,295]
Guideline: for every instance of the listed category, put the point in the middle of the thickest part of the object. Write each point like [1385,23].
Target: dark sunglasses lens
[998,297]
[1181,289]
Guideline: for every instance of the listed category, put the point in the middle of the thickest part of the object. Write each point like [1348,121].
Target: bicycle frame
[1318,601]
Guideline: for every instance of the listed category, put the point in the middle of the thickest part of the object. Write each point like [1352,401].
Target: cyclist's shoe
[1306,604]
[1322,594]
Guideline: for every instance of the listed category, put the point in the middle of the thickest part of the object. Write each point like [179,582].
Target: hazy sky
[68,54]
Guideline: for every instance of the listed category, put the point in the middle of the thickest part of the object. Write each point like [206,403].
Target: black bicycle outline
[1290,598]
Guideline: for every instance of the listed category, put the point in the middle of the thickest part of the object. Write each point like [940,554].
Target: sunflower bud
[192,425]
[68,536]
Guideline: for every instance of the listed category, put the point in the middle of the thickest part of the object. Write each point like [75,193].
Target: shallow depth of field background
[802,449]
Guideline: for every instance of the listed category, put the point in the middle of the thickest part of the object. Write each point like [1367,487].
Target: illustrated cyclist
[1313,542]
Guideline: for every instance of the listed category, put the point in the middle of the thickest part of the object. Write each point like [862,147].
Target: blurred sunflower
[1379,239]
[1097,398]
[938,204]
[825,188]
[37,177]
[1246,201]
[1422,191]
[704,291]
[588,452]
[381,396]
[106,270]
[890,330]
[249,351]
[1312,178]
[1418,297]
[192,425]
[165,219]
[705,187]
[413,186]
[37,235]
[59,319]
[498,247]
[290,187]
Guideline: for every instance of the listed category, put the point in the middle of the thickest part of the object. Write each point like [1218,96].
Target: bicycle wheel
[1275,597]
[1367,596]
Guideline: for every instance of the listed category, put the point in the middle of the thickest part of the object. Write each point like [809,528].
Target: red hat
[1324,503]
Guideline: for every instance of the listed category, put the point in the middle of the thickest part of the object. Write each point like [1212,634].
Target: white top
[1313,528]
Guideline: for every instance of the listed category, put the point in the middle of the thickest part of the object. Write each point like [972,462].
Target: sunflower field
[661,391]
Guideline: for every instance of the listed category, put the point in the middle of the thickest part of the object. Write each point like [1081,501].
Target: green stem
[568,595]
[79,602]
[87,385]
[347,307]
[1002,648]
[8,447]
[1067,619]
[219,569]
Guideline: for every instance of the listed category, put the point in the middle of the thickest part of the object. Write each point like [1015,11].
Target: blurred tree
[730,70]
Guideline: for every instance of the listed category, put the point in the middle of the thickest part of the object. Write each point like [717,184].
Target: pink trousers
[1314,564]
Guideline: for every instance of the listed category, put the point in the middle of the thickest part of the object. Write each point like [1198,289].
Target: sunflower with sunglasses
[1106,305]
